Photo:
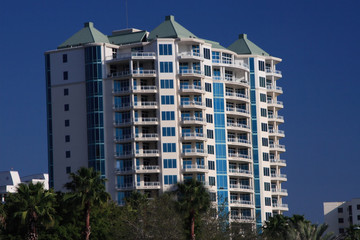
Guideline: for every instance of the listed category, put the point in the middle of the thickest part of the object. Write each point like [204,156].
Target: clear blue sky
[317,40]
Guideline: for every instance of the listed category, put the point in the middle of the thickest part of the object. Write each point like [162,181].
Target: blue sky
[317,40]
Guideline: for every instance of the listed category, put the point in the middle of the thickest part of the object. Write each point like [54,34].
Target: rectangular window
[207,70]
[169,163]
[358,217]
[65,75]
[216,57]
[208,102]
[266,171]
[212,197]
[262,97]
[358,206]
[265,156]
[67,138]
[208,87]
[66,107]
[206,53]
[67,123]
[169,147]
[168,131]
[264,127]
[170,179]
[263,112]
[262,82]
[66,91]
[266,186]
[166,67]
[210,149]
[209,118]
[212,181]
[340,210]
[64,56]
[167,100]
[211,165]
[210,134]
[67,154]
[341,220]
[167,83]
[168,115]
[68,170]
[265,142]
[165,49]
[261,66]
[267,201]
[268,215]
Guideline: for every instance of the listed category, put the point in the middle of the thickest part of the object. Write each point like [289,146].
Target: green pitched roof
[88,34]
[245,46]
[170,29]
[127,38]
[214,44]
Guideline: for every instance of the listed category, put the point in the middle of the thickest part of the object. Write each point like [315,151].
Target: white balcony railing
[144,88]
[194,167]
[184,119]
[239,125]
[192,103]
[143,54]
[243,202]
[237,95]
[147,167]
[274,160]
[277,146]
[145,104]
[280,205]
[190,72]
[276,190]
[146,119]
[239,155]
[275,102]
[269,70]
[146,135]
[193,150]
[241,186]
[272,87]
[278,117]
[238,110]
[239,170]
[238,140]
[277,131]
[191,87]
[190,54]
[278,175]
[193,134]
[145,152]
[143,72]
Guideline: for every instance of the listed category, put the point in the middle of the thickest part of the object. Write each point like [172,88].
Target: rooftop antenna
[127,17]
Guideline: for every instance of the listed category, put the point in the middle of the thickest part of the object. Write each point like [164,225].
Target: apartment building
[150,109]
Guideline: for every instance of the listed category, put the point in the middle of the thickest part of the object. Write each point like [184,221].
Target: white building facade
[148,110]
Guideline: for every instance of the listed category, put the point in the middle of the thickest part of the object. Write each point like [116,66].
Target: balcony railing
[144,88]
[143,72]
[275,102]
[272,87]
[191,87]
[119,74]
[193,134]
[143,54]
[237,95]
[121,56]
[122,90]
[194,167]
[242,218]
[230,63]
[238,110]
[193,150]
[243,202]
[122,122]
[278,175]
[241,186]
[273,160]
[276,190]
[190,54]
[269,70]
[123,138]
[145,104]
[277,131]
[191,103]
[146,152]
[239,125]
[239,155]
[239,170]
[234,80]
[277,146]
[190,72]
[146,135]
[280,205]
[278,117]
[199,119]
[146,120]
[147,167]
[238,140]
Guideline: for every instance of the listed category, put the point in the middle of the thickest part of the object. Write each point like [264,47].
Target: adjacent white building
[341,215]
[150,109]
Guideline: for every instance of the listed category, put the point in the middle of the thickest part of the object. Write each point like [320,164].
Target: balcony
[122,91]
[191,89]
[194,136]
[146,121]
[276,118]
[278,177]
[238,142]
[146,105]
[147,169]
[148,185]
[192,105]
[120,171]
[281,192]
[191,73]
[240,172]
[238,126]
[122,107]
[194,152]
[280,206]
[147,153]
[240,218]
[191,55]
[230,63]
[276,89]
[124,138]
[277,133]
[239,157]
[145,89]
[195,168]
[241,188]
[133,55]
[237,96]
[237,111]
[126,154]
[121,74]
[193,120]
[235,81]
[275,103]
[122,187]
[144,73]
[279,162]
[274,72]
[241,203]
[123,122]
[146,137]
[277,147]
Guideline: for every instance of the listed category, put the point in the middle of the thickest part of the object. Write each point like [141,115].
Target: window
[211,165]
[64,56]
[169,147]
[169,163]
[267,201]
[265,142]
[165,49]
[206,53]
[216,57]
[341,220]
[67,123]
[213,197]
[207,70]
[263,112]
[67,138]
[208,102]
[68,170]
[167,100]
[266,186]
[66,107]
[261,66]
[266,171]
[264,127]
[168,131]
[170,179]
[65,75]
[358,206]
[341,230]
[358,217]
[268,215]
[208,87]
[210,149]
[166,67]
[168,115]
[340,210]
[66,91]
[67,154]
[262,97]
[212,181]
[265,156]
[262,82]
[167,83]
[209,118]
[210,134]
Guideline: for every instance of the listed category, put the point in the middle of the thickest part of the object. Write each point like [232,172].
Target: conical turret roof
[244,46]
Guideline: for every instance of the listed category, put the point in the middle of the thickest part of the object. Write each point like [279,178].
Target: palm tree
[193,198]
[33,205]
[88,188]
[276,228]
[308,231]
